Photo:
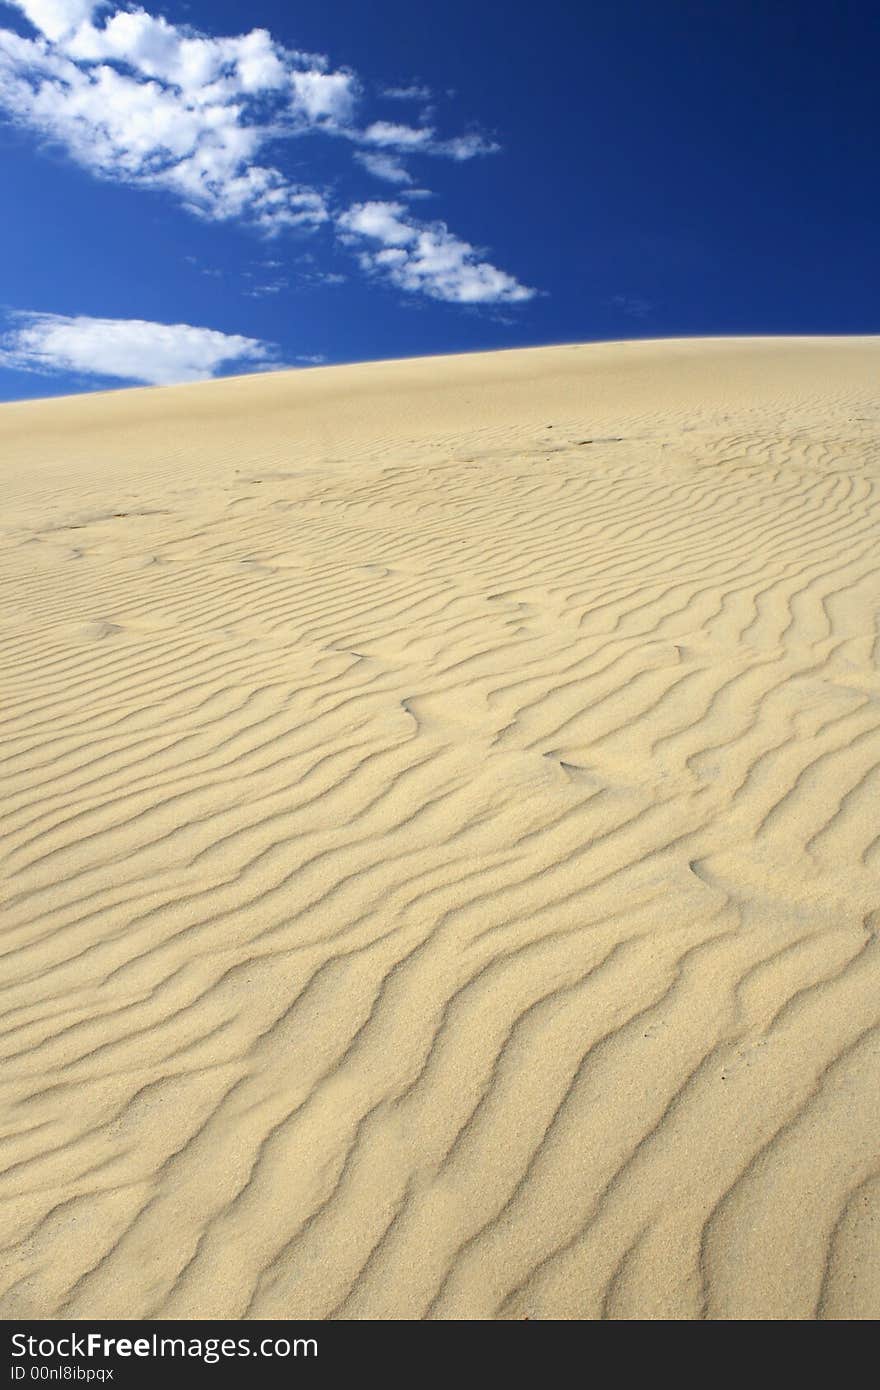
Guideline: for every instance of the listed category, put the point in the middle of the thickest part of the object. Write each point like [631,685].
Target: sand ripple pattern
[440,841]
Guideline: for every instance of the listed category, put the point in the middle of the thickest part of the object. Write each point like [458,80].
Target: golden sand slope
[441,840]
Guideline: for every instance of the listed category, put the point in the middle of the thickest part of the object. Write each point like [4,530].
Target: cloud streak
[136,99]
[384,166]
[131,350]
[425,258]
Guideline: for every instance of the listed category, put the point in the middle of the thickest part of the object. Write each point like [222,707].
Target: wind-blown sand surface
[441,840]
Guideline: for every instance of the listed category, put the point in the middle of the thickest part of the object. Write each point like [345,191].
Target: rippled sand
[441,835]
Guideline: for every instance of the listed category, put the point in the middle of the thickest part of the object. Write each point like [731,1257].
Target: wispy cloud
[424,257]
[415,91]
[260,291]
[396,136]
[423,139]
[633,305]
[384,166]
[136,99]
[130,350]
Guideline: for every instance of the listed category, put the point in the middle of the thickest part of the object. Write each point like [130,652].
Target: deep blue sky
[665,169]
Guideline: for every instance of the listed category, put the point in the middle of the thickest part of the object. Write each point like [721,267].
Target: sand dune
[441,840]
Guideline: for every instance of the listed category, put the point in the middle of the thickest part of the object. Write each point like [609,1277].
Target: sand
[441,843]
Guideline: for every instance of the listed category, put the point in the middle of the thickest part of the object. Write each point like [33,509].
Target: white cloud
[414,92]
[384,166]
[378,221]
[426,257]
[462,147]
[136,99]
[393,135]
[181,121]
[124,349]
[397,136]
[325,96]
[142,100]
[54,18]
[260,291]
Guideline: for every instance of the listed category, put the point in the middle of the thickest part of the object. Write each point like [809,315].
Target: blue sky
[194,189]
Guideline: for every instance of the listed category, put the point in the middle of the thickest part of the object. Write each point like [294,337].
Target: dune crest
[440,840]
